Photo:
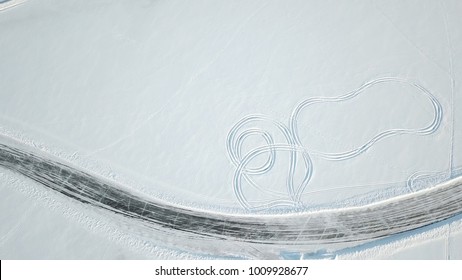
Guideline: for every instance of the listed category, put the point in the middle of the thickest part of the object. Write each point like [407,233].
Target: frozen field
[230,129]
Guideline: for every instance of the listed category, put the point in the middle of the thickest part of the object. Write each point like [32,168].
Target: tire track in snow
[7,4]
[232,234]
[238,133]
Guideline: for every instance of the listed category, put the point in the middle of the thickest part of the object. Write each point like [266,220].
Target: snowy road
[206,129]
[176,225]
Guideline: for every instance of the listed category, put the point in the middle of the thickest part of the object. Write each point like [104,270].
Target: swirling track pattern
[239,235]
[294,146]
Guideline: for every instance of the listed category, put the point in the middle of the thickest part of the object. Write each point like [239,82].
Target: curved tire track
[260,236]
[7,4]
[241,130]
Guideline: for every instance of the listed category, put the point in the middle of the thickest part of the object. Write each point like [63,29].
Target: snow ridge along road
[250,236]
[6,4]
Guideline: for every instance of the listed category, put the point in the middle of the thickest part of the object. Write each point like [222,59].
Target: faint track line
[453,84]
[182,89]
[406,37]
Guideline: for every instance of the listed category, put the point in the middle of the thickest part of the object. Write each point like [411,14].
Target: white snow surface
[147,93]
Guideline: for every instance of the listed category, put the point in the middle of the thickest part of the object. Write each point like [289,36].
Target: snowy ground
[151,94]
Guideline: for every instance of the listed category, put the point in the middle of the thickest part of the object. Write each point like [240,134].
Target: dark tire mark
[261,236]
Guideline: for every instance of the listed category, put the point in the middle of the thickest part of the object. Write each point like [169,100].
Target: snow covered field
[249,108]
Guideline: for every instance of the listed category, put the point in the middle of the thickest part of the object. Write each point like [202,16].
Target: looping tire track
[238,133]
[179,226]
